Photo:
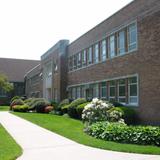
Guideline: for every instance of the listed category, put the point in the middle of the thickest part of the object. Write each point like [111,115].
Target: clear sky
[28,28]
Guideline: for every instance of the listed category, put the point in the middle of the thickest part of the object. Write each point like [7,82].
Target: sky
[28,28]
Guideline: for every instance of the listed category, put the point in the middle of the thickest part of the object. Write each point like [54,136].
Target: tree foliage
[4,83]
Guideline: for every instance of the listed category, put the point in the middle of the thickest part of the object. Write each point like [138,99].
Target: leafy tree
[4,83]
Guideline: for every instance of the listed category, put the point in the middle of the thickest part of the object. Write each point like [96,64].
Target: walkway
[41,144]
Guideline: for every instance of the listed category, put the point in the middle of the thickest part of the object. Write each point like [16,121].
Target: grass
[4,108]
[73,129]
[9,149]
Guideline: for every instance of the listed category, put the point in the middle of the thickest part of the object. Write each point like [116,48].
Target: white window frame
[103,50]
[84,57]
[78,90]
[79,60]
[111,97]
[121,85]
[89,57]
[96,53]
[119,41]
[103,87]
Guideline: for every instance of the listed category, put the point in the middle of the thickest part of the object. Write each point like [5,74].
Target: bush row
[120,132]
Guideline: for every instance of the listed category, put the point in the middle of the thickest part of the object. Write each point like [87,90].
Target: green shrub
[73,105]
[40,106]
[129,115]
[15,97]
[64,109]
[28,101]
[20,108]
[116,104]
[16,102]
[63,103]
[120,132]
[80,108]
[54,104]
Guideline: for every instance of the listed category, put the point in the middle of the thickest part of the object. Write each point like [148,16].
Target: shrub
[48,109]
[16,102]
[120,132]
[63,103]
[98,110]
[40,106]
[54,104]
[73,105]
[80,108]
[20,108]
[15,97]
[116,104]
[129,115]
[64,109]
[28,101]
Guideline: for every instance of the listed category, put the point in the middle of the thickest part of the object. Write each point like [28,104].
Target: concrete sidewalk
[41,144]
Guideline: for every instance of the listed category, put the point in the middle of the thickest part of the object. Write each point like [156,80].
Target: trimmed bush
[120,132]
[80,108]
[15,97]
[64,109]
[116,104]
[40,106]
[54,104]
[48,109]
[16,102]
[63,103]
[20,108]
[73,105]
[129,115]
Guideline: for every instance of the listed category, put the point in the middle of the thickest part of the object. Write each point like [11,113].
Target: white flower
[88,106]
[95,100]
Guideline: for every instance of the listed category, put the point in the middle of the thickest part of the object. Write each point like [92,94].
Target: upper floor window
[121,43]
[79,60]
[132,37]
[74,61]
[70,63]
[112,46]
[89,57]
[103,50]
[96,53]
[84,58]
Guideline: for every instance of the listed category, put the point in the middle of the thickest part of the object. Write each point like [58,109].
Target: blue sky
[28,28]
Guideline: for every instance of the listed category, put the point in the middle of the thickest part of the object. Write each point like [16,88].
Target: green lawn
[9,149]
[4,108]
[73,129]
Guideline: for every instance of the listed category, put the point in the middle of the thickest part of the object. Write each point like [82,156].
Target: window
[89,55]
[95,90]
[122,91]
[132,37]
[78,92]
[103,50]
[121,43]
[112,90]
[71,63]
[103,90]
[3,93]
[132,89]
[84,58]
[83,91]
[73,93]
[112,46]
[79,60]
[74,61]
[96,53]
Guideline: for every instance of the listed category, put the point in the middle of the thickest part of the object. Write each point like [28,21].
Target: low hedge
[64,109]
[16,102]
[80,108]
[72,112]
[119,132]
[20,108]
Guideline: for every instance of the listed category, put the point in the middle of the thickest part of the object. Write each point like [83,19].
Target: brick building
[118,60]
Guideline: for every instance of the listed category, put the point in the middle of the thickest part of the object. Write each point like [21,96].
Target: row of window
[118,43]
[122,90]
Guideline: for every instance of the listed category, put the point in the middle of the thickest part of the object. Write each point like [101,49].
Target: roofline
[32,69]
[19,59]
[102,22]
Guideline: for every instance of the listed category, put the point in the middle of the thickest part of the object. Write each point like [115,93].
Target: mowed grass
[4,108]
[9,149]
[73,129]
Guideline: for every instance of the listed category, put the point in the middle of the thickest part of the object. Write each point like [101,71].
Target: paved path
[41,144]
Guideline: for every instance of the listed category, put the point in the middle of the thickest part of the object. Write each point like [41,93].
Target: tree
[4,83]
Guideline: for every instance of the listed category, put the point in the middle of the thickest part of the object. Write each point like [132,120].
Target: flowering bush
[99,110]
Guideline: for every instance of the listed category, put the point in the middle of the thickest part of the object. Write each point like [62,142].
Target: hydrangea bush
[99,110]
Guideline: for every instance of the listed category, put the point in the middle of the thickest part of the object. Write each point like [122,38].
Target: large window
[96,53]
[103,50]
[89,57]
[78,92]
[112,46]
[132,37]
[83,92]
[133,90]
[84,58]
[121,43]
[122,91]
[95,90]
[112,90]
[73,93]
[103,90]
[3,93]
[75,61]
